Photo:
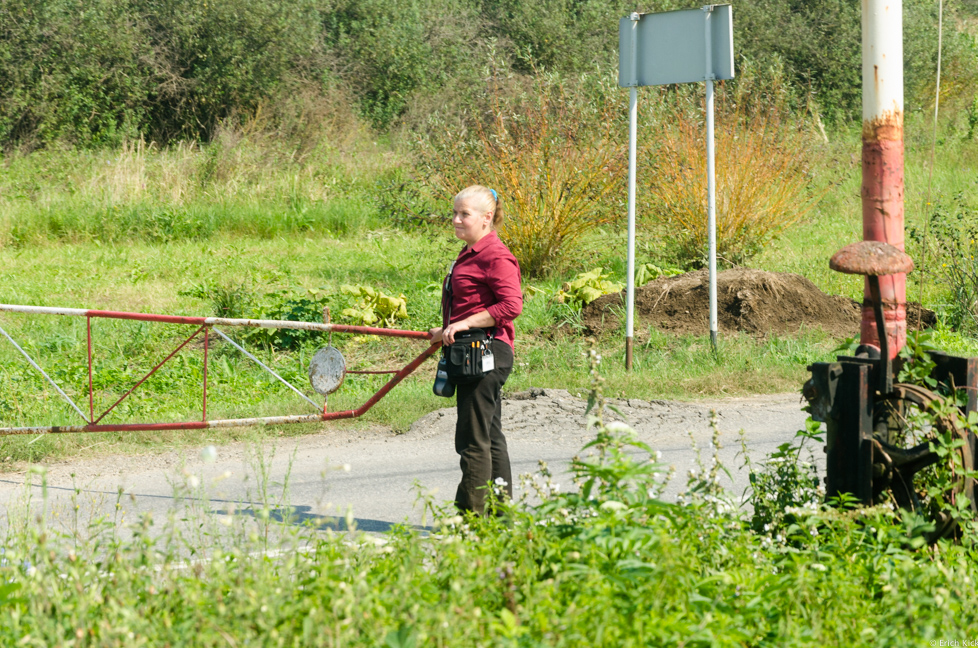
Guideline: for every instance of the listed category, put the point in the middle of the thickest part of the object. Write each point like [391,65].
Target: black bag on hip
[470,357]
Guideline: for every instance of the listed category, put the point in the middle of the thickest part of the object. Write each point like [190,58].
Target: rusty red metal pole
[228,423]
[207,331]
[91,390]
[205,324]
[215,321]
[398,377]
[882,185]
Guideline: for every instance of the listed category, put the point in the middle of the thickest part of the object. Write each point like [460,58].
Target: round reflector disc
[327,370]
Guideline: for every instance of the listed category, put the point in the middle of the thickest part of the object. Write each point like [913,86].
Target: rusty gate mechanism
[877,444]
[327,369]
[878,441]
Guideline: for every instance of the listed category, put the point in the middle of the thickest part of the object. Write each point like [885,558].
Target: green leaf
[6,590]
[403,637]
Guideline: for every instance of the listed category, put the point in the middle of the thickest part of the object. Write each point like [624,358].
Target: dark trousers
[479,436]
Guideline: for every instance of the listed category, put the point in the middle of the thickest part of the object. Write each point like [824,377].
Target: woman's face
[471,220]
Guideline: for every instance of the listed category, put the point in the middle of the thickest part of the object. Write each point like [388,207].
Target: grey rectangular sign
[671,47]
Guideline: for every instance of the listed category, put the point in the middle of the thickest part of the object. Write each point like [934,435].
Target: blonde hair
[489,200]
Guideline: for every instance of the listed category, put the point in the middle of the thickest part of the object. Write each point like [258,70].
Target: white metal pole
[711,210]
[632,147]
[883,163]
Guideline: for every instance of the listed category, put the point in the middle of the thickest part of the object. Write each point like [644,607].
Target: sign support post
[659,49]
[711,183]
[632,148]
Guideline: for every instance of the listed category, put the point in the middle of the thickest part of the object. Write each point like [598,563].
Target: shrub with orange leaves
[763,179]
[555,149]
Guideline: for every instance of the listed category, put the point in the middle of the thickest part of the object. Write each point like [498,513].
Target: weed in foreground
[786,481]
[605,563]
[948,243]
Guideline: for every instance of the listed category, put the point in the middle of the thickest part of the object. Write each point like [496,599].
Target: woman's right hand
[435,334]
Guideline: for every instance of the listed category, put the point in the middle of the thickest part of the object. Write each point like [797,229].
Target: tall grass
[604,562]
[245,182]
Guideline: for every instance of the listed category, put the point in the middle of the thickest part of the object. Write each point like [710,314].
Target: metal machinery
[878,444]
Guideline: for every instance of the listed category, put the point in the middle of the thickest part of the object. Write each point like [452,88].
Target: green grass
[150,277]
[614,566]
[806,248]
[244,222]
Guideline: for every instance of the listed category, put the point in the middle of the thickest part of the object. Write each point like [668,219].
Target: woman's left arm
[504,279]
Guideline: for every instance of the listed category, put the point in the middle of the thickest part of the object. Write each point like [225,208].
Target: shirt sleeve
[503,278]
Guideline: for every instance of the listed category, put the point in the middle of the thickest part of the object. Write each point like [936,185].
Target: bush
[565,35]
[820,43]
[586,287]
[101,71]
[763,184]
[230,299]
[285,305]
[220,60]
[236,300]
[553,147]
[71,70]
[93,72]
[948,249]
[785,482]
[391,50]
[372,307]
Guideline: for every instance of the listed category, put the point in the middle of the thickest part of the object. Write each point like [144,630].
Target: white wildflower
[208,454]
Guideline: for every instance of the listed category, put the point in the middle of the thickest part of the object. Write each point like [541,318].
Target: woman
[482,290]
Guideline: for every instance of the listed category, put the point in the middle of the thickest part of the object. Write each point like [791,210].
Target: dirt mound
[753,301]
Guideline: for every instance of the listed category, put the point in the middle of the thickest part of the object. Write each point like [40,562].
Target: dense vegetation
[606,562]
[271,157]
[294,191]
[92,72]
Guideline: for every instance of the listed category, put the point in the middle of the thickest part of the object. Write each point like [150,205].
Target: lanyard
[447,294]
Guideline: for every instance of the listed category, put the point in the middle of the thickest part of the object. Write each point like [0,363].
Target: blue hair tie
[494,196]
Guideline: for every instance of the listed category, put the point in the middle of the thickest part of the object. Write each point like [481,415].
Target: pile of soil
[756,302]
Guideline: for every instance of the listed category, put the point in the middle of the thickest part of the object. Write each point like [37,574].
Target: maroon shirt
[486,277]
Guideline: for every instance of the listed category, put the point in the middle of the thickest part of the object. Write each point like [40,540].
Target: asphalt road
[378,475]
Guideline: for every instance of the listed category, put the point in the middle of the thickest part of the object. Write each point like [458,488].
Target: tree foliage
[100,71]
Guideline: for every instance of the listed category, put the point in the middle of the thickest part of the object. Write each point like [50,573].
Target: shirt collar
[484,242]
